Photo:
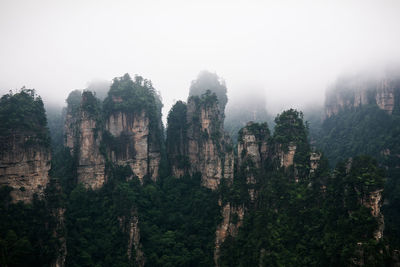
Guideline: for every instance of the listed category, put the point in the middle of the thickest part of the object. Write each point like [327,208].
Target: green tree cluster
[23,113]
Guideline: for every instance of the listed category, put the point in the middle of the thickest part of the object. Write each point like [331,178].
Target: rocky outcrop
[24,166]
[205,148]
[253,151]
[287,157]
[253,144]
[131,227]
[132,132]
[208,151]
[82,135]
[122,134]
[353,92]
[232,220]
[70,130]
[385,95]
[374,201]
[91,163]
[314,161]
[59,233]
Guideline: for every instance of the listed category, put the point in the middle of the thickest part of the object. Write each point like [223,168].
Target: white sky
[292,49]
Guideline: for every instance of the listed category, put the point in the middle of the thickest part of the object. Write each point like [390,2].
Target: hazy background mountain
[292,50]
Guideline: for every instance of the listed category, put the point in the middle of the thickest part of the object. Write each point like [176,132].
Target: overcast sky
[291,49]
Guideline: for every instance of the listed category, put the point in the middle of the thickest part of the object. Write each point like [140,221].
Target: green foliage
[177,135]
[91,105]
[367,130]
[259,130]
[74,100]
[371,131]
[177,221]
[94,235]
[132,96]
[25,232]
[23,113]
[290,128]
[135,96]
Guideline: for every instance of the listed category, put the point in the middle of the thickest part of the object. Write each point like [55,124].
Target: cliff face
[232,220]
[134,248]
[205,148]
[91,163]
[385,95]
[374,201]
[59,233]
[286,158]
[253,151]
[83,137]
[136,150]
[350,93]
[24,166]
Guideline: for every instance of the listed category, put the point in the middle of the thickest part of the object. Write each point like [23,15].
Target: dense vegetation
[26,231]
[316,221]
[177,221]
[23,113]
[176,135]
[368,130]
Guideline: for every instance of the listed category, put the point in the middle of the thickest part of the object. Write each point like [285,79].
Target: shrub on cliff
[23,113]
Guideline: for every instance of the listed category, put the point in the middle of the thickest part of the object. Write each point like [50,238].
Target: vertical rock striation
[24,145]
[134,248]
[204,147]
[133,126]
[82,135]
[134,146]
[232,220]
[253,151]
[24,166]
[91,163]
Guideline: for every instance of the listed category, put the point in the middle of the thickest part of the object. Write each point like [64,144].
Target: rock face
[314,161]
[91,161]
[24,166]
[131,227]
[353,92]
[136,148]
[83,137]
[232,220]
[253,151]
[374,201]
[206,148]
[385,95]
[287,157]
[62,242]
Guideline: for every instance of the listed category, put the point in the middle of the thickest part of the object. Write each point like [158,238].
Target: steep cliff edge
[292,150]
[125,130]
[24,145]
[232,219]
[253,151]
[133,126]
[198,142]
[83,136]
[130,226]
